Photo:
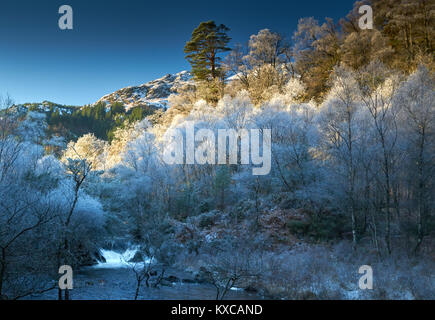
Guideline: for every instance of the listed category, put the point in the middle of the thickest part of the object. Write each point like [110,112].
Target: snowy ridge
[154,93]
[43,107]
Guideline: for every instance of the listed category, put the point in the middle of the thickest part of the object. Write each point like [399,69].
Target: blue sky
[115,44]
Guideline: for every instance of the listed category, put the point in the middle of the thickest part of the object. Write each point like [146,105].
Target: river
[114,280]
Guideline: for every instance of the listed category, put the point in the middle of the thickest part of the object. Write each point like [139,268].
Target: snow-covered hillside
[153,93]
[41,107]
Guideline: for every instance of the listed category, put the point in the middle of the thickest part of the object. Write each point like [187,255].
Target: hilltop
[108,113]
[154,93]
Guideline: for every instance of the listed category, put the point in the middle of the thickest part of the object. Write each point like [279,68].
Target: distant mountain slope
[108,113]
[44,107]
[71,122]
[154,93]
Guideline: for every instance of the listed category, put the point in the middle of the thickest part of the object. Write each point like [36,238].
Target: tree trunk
[388,203]
[136,295]
[2,268]
[421,205]
[213,65]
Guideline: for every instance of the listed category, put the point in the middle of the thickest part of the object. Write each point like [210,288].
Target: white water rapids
[116,259]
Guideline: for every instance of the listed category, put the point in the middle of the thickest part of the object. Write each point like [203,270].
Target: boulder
[188,281]
[88,258]
[172,279]
[251,289]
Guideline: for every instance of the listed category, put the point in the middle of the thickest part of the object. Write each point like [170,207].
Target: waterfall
[116,259]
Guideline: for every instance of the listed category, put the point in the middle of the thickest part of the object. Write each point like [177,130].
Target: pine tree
[208,40]
[221,183]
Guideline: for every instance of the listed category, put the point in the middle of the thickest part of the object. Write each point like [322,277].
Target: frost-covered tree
[378,89]
[33,127]
[264,67]
[316,53]
[90,148]
[340,129]
[267,47]
[416,98]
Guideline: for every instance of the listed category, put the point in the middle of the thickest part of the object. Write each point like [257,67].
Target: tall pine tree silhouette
[208,40]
